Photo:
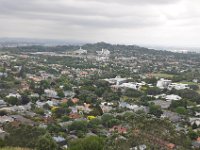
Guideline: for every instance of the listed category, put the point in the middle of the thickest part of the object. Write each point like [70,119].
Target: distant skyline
[141,22]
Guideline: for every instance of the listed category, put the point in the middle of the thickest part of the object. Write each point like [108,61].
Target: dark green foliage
[194,87]
[54,128]
[153,91]
[108,120]
[87,96]
[133,93]
[181,103]
[12,101]
[23,136]
[2,143]
[193,135]
[46,142]
[151,81]
[181,110]
[88,143]
[60,93]
[111,96]
[188,94]
[155,110]
[79,126]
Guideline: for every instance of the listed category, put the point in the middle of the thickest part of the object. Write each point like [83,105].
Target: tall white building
[80,51]
[103,52]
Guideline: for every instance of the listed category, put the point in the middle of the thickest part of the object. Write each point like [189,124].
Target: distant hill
[116,50]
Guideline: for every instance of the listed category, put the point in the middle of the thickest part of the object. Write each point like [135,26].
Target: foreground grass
[13,148]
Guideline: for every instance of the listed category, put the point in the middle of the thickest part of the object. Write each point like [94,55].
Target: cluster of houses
[77,110]
[122,83]
[167,84]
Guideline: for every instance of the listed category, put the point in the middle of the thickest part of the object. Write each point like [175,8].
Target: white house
[3,74]
[194,121]
[50,93]
[178,86]
[131,107]
[17,95]
[163,83]
[172,97]
[130,85]
[117,80]
[2,104]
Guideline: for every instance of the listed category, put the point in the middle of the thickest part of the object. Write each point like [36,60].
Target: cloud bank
[160,22]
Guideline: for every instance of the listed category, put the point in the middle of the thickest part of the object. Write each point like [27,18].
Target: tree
[46,142]
[60,93]
[193,135]
[113,122]
[111,96]
[94,123]
[175,104]
[25,99]
[155,110]
[45,84]
[23,136]
[132,93]
[2,143]
[106,119]
[79,126]
[12,100]
[59,111]
[194,87]
[181,110]
[99,91]
[87,96]
[151,80]
[153,91]
[67,87]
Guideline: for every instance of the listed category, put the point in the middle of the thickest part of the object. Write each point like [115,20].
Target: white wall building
[80,51]
[50,93]
[103,52]
[17,95]
[172,97]
[178,86]
[132,85]
[117,80]
[163,83]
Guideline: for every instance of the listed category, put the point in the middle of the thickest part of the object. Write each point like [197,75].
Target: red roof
[75,100]
[74,116]
[119,129]
[198,139]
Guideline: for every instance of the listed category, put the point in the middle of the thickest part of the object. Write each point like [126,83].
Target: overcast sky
[142,22]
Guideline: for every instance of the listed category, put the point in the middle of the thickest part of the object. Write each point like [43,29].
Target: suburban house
[80,51]
[194,121]
[178,86]
[163,83]
[117,80]
[163,104]
[50,93]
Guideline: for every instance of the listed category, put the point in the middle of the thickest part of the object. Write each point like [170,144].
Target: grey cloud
[84,16]
[119,20]
[137,2]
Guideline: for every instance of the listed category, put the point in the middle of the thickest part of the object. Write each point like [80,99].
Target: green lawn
[162,75]
[189,83]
